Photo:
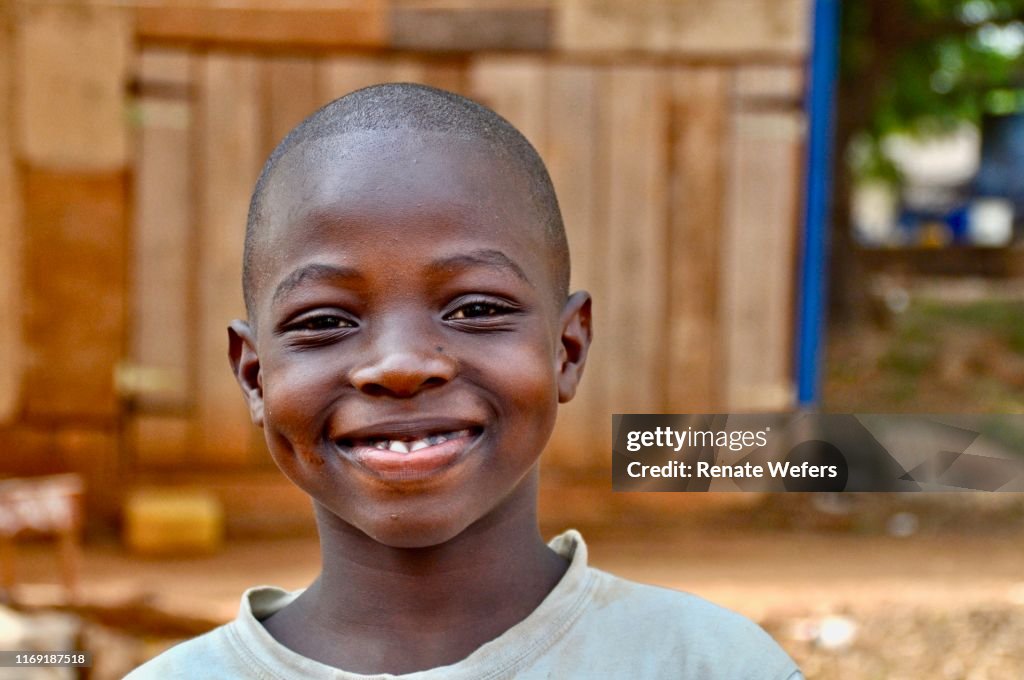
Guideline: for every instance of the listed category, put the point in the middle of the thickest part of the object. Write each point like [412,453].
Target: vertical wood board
[71,91]
[513,86]
[93,453]
[290,88]
[11,349]
[161,441]
[757,267]
[768,83]
[700,128]
[340,75]
[74,277]
[573,100]
[636,129]
[161,321]
[231,128]
[445,74]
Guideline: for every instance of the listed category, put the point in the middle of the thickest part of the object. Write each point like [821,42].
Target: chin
[408,533]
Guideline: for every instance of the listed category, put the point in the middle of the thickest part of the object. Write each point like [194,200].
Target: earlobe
[245,364]
[577,334]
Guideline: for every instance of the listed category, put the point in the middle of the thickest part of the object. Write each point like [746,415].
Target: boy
[410,336]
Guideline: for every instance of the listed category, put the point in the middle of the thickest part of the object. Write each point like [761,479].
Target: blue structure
[811,283]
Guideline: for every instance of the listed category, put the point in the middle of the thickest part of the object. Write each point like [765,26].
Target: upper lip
[407,429]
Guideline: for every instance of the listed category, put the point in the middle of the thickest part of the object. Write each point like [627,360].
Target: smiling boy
[410,337]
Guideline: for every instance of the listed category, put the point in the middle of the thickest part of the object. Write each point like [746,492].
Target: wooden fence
[673,133]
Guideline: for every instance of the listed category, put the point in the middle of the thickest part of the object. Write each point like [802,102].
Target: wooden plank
[514,87]
[29,450]
[405,69]
[71,93]
[93,454]
[75,257]
[160,441]
[466,28]
[758,260]
[161,321]
[572,158]
[229,161]
[11,350]
[700,114]
[766,85]
[306,23]
[290,87]
[447,74]
[729,29]
[340,75]
[636,127]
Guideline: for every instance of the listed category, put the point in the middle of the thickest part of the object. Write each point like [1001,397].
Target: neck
[415,608]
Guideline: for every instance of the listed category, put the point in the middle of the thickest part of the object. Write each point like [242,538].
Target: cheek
[529,387]
[295,398]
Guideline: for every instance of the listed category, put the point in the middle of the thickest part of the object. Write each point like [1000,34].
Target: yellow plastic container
[173,521]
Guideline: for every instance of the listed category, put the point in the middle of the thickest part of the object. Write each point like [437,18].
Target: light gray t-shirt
[591,625]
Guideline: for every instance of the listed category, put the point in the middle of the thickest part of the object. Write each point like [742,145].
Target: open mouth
[401,457]
[408,444]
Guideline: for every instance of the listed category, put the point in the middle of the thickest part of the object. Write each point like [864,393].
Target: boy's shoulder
[233,650]
[209,655]
[659,629]
[640,630]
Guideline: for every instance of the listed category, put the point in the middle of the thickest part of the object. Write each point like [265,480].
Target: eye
[475,310]
[319,322]
[479,309]
[323,323]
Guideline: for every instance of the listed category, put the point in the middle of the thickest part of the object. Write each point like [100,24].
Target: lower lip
[415,465]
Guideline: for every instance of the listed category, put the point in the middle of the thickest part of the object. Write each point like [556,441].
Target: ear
[245,364]
[575,343]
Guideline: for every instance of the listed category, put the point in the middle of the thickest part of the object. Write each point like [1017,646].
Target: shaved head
[406,107]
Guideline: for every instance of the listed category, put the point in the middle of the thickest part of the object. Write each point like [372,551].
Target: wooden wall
[672,132]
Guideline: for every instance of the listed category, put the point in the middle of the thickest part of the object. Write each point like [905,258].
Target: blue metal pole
[811,288]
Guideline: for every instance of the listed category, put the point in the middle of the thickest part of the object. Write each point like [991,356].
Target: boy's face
[405,301]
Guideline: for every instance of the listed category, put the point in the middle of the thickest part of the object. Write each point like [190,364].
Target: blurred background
[693,144]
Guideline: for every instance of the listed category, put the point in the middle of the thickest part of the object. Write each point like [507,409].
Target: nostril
[434,382]
[375,390]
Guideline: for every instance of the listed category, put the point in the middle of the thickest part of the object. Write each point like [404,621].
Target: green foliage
[923,67]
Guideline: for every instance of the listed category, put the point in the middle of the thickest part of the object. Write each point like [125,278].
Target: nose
[404,363]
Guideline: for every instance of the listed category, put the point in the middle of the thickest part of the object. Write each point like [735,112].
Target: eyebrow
[485,257]
[312,272]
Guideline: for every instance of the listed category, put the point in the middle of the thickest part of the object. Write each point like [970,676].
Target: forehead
[405,190]
[395,171]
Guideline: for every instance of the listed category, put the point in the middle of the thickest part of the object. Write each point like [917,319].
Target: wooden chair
[48,506]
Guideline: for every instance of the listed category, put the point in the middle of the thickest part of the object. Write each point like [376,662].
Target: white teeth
[405,446]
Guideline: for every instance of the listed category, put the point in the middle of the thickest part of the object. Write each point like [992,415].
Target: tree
[919,67]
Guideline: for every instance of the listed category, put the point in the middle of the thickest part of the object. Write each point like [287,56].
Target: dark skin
[407,291]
